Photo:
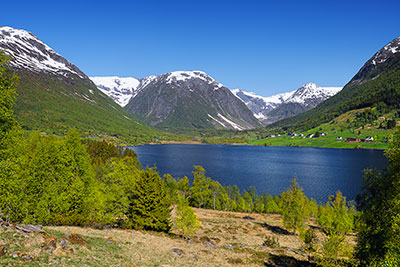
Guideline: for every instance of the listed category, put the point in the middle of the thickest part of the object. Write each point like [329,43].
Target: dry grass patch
[224,239]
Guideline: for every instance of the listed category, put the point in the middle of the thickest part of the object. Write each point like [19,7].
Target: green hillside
[374,86]
[52,104]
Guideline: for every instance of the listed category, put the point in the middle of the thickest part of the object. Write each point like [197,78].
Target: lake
[320,171]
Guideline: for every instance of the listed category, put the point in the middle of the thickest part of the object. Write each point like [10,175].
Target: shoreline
[193,142]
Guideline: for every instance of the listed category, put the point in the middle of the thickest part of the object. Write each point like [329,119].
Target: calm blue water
[320,171]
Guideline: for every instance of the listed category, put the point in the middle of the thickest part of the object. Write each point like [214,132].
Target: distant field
[344,126]
[327,141]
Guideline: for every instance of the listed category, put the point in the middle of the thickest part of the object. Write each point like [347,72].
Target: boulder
[27,258]
[228,246]
[50,243]
[3,250]
[63,244]
[209,244]
[177,251]
[29,228]
[76,239]
[195,256]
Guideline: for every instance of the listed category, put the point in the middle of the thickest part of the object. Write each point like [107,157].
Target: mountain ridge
[284,105]
[179,92]
[54,95]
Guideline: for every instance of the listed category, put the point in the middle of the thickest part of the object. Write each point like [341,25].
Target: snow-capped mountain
[311,94]
[121,90]
[189,99]
[54,94]
[29,52]
[280,106]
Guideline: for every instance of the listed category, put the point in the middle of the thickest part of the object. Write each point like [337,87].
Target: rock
[177,251]
[195,256]
[27,258]
[50,243]
[76,239]
[29,228]
[248,218]
[205,239]
[16,254]
[291,250]
[229,246]
[209,244]
[3,251]
[63,244]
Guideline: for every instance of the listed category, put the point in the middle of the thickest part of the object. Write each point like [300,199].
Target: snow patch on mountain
[182,76]
[29,52]
[226,123]
[269,101]
[387,51]
[231,123]
[147,80]
[121,90]
[309,95]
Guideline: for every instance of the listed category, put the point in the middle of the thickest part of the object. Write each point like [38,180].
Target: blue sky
[265,46]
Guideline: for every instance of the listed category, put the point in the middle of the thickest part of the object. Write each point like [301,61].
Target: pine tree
[150,206]
[115,185]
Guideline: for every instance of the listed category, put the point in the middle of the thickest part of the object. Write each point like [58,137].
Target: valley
[177,149]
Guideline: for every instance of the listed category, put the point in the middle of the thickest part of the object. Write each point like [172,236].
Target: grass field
[342,126]
[224,239]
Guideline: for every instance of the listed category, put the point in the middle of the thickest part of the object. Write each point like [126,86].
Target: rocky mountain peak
[184,76]
[270,109]
[29,52]
[387,51]
[378,62]
[310,93]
